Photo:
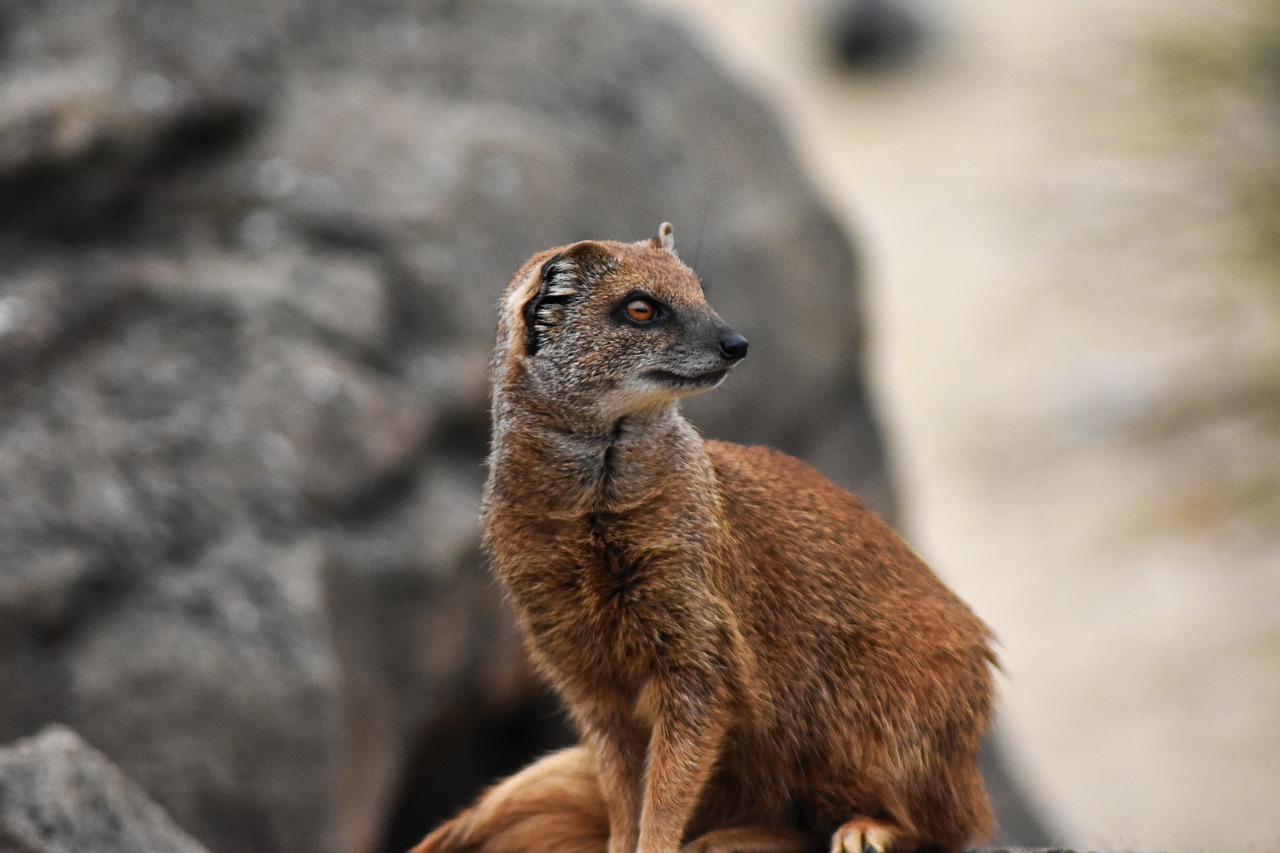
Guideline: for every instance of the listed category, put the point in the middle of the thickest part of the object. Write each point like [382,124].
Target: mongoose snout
[733,346]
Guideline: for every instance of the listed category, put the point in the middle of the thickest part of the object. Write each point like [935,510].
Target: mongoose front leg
[619,761]
[682,754]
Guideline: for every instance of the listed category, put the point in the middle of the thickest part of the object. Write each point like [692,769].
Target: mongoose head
[600,330]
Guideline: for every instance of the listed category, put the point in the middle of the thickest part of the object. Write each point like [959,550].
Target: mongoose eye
[640,311]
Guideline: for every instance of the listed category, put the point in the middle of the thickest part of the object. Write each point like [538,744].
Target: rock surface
[251,252]
[58,795]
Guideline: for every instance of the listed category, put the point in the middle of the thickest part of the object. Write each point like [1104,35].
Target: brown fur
[552,805]
[754,660]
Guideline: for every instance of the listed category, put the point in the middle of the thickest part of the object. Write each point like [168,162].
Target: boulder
[59,795]
[251,253]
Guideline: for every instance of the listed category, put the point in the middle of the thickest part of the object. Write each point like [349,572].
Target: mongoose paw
[863,835]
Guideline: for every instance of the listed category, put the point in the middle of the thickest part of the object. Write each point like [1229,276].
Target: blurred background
[1011,272]
[1071,216]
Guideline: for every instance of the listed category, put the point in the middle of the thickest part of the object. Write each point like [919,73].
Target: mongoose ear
[563,279]
[665,239]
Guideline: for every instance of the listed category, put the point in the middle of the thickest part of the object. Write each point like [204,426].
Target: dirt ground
[1071,216]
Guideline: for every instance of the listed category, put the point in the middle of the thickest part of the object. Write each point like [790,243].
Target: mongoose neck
[543,460]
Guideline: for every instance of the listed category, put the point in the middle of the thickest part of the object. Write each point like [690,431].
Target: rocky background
[249,253]
[59,794]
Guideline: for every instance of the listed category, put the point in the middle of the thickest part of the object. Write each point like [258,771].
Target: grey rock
[58,795]
[250,255]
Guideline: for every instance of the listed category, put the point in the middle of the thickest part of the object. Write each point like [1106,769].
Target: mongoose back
[754,661]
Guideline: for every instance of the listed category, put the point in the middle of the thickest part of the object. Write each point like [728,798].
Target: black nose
[733,346]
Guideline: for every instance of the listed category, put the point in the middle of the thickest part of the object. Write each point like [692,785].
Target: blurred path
[1071,215]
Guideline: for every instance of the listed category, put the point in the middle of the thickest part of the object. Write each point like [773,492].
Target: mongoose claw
[863,835]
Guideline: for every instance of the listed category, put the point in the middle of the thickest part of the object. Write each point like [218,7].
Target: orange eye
[640,311]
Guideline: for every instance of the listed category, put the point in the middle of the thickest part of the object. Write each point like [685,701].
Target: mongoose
[755,661]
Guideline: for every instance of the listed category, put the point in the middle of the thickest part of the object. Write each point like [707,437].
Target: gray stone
[58,795]
[251,255]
